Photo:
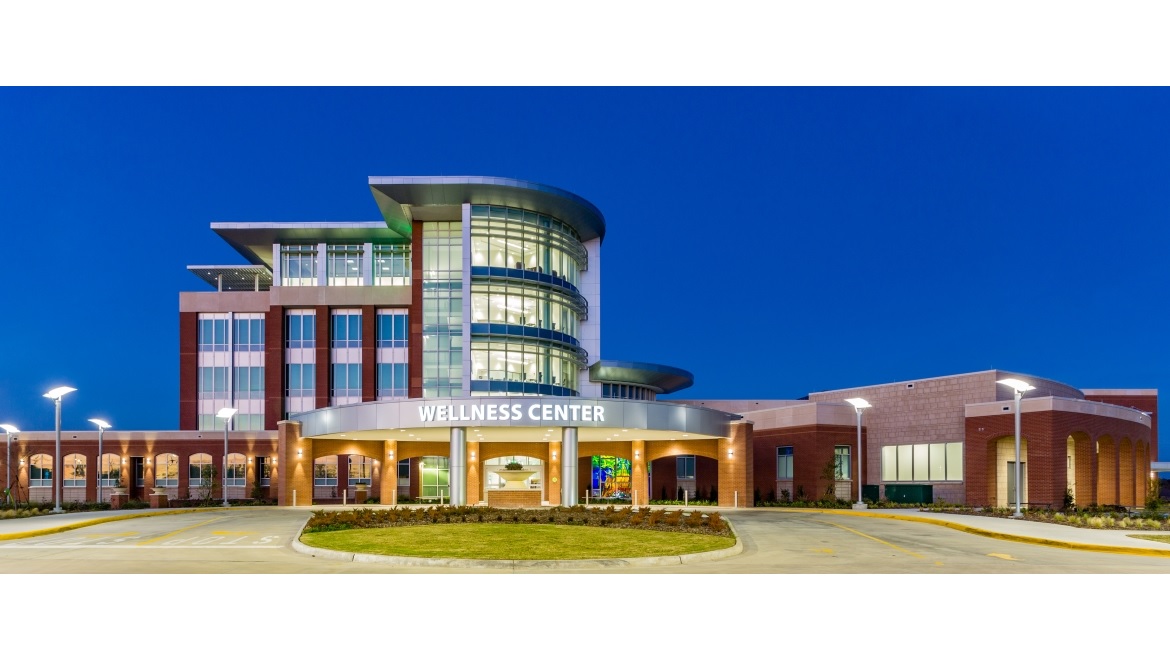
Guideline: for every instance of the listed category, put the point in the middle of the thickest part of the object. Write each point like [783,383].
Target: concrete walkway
[1124,541]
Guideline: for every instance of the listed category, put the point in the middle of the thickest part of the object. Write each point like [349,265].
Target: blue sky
[773,241]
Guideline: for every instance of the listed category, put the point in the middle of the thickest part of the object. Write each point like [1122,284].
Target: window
[301,379]
[685,467]
[347,380]
[212,382]
[74,470]
[249,384]
[392,265]
[200,471]
[325,471]
[166,470]
[301,329]
[393,380]
[237,469]
[784,463]
[213,332]
[442,309]
[264,467]
[435,474]
[841,462]
[923,462]
[298,265]
[392,327]
[249,334]
[347,328]
[110,470]
[40,471]
[361,469]
[344,265]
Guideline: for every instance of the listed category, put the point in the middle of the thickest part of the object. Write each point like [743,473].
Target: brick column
[296,470]
[273,367]
[639,485]
[735,472]
[552,474]
[369,352]
[474,473]
[323,324]
[188,370]
[414,366]
[389,493]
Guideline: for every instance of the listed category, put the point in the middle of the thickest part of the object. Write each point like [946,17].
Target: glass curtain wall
[442,309]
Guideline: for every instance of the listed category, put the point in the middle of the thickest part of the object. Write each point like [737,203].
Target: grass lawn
[502,541]
[1165,539]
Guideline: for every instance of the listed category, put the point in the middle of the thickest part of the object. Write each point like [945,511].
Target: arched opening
[1106,471]
[684,478]
[236,476]
[166,473]
[73,482]
[201,477]
[1079,479]
[514,472]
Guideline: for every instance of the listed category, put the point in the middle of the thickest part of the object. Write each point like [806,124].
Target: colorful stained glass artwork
[610,477]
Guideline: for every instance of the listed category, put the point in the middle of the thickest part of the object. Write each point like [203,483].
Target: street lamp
[226,414]
[859,404]
[55,395]
[1019,387]
[9,432]
[102,427]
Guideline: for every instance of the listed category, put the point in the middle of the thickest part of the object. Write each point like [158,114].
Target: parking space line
[880,541]
[173,533]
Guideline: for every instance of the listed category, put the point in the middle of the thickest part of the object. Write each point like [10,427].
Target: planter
[119,491]
[516,479]
[158,491]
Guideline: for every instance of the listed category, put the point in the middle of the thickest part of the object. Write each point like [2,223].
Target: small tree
[206,489]
[829,473]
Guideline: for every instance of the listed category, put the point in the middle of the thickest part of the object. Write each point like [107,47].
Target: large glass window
[298,265]
[325,471]
[347,380]
[40,471]
[344,265]
[610,476]
[922,462]
[521,361]
[249,384]
[74,470]
[685,467]
[392,265]
[166,470]
[627,392]
[393,381]
[264,466]
[442,309]
[528,241]
[212,381]
[784,463]
[527,305]
[435,478]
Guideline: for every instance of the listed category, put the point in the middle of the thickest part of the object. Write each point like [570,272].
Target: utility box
[870,493]
[915,494]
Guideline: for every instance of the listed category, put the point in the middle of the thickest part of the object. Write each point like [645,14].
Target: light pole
[226,414]
[859,404]
[102,427]
[9,432]
[1019,387]
[55,395]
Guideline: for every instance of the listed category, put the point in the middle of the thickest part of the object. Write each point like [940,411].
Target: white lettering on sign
[429,413]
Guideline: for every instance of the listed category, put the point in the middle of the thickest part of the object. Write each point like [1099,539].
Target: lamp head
[859,403]
[100,423]
[226,413]
[9,429]
[1018,385]
[59,392]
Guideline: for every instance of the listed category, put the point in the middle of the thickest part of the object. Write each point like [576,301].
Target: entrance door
[1011,482]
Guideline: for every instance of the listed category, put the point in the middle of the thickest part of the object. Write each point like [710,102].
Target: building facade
[452,353]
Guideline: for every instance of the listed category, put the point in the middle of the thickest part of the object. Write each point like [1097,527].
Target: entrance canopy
[526,418]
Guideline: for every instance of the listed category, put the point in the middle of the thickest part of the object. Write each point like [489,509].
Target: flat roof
[254,240]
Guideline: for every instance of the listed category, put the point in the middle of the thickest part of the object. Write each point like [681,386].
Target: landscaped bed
[485,533]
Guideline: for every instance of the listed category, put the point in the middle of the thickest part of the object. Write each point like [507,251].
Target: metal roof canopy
[254,240]
[234,277]
[663,379]
[395,194]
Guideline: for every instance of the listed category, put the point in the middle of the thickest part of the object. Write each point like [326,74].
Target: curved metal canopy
[665,379]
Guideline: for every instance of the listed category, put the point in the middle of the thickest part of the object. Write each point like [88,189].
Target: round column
[458,470]
[568,466]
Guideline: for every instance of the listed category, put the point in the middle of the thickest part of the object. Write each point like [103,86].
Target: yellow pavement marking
[113,534]
[823,550]
[171,534]
[107,519]
[1002,556]
[880,541]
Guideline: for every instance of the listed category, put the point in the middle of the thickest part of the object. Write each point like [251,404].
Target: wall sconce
[473,454]
[299,452]
[123,460]
[390,454]
[554,454]
[637,454]
[22,461]
[148,460]
[730,452]
[249,460]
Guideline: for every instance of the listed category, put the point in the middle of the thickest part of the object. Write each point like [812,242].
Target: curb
[550,565]
[84,524]
[1039,541]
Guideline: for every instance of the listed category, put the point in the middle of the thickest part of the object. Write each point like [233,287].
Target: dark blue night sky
[773,241]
